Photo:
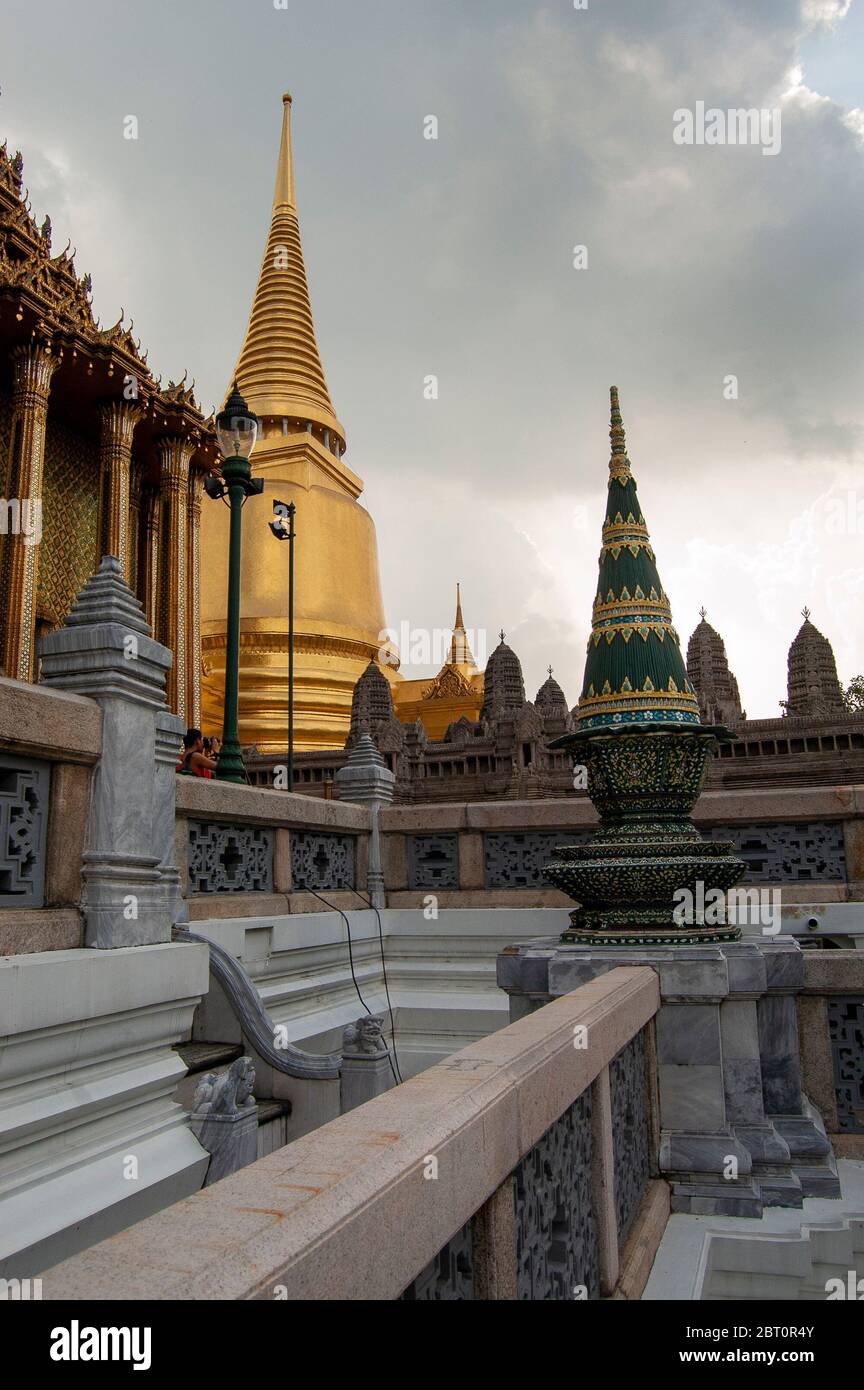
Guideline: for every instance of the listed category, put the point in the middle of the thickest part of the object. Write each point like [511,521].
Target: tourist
[195,760]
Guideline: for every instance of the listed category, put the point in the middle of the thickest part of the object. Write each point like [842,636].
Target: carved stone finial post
[366,780]
[366,1064]
[225,1119]
[104,650]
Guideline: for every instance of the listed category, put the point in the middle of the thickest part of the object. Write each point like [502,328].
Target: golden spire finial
[460,652]
[279,368]
[619,464]
[284,195]
[459,624]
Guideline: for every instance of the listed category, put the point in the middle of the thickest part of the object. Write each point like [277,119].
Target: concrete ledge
[346,1212]
[643,1242]
[577,813]
[485,898]
[205,906]
[41,723]
[200,799]
[834,972]
[25,931]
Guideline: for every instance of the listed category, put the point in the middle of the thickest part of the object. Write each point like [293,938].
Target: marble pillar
[737,1132]
[104,650]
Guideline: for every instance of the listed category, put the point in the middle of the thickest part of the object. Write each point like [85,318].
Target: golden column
[193,623]
[339,615]
[175,452]
[151,502]
[118,420]
[33,367]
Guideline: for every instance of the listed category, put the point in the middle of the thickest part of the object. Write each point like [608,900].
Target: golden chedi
[338,611]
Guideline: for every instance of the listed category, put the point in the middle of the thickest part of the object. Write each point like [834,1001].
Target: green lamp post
[236,431]
[283,529]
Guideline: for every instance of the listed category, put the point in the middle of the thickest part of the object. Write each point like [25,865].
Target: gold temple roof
[279,369]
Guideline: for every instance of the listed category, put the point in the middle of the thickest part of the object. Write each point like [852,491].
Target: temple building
[709,674]
[814,690]
[455,693]
[300,455]
[97,457]
[817,740]
[500,753]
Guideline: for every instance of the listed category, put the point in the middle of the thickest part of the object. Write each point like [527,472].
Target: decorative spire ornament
[635,672]
[646,752]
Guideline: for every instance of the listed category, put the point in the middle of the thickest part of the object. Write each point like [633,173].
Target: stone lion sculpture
[364,1038]
[226,1094]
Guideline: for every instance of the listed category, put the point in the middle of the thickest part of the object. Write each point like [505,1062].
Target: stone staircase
[822,1260]
[199,1058]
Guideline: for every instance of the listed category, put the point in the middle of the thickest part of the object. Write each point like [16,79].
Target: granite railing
[831,1032]
[807,841]
[520,1168]
[49,742]
[248,851]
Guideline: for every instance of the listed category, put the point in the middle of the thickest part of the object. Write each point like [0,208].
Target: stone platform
[737,1133]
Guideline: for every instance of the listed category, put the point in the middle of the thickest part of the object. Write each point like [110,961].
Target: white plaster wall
[441,973]
[86,1081]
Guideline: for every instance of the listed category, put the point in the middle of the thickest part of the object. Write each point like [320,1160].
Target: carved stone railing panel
[631,1140]
[322,860]
[556,1227]
[518,858]
[846,1029]
[449,1278]
[230,858]
[799,852]
[433,861]
[24,789]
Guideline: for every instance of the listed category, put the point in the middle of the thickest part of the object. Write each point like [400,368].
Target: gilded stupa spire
[460,652]
[634,672]
[279,369]
[285,194]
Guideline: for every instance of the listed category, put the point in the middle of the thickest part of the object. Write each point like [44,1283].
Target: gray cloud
[455,257]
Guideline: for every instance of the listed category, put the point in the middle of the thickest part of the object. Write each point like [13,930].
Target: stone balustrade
[520,1168]
[831,1032]
[249,851]
[808,841]
[49,742]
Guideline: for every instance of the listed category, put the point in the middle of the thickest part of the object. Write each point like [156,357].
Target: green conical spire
[634,673]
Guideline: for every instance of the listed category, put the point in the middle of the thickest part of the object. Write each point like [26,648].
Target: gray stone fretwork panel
[322,861]
[433,861]
[846,1027]
[628,1083]
[517,859]
[24,788]
[230,858]
[791,853]
[556,1226]
[449,1278]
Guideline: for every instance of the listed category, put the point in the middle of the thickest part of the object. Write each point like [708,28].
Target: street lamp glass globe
[236,427]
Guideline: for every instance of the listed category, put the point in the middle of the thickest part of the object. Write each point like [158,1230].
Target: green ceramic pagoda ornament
[647,877]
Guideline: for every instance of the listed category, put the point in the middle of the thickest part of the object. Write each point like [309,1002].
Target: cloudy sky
[455,258]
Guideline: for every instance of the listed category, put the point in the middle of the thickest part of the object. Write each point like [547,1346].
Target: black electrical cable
[367,902]
[303,888]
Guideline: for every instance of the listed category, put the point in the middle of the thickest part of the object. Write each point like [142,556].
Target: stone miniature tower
[504,686]
[814,692]
[640,737]
[709,674]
